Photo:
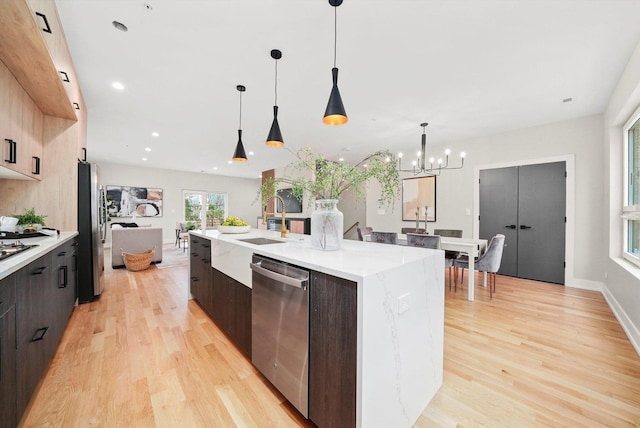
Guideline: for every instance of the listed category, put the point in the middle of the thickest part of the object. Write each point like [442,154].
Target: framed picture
[125,201]
[418,198]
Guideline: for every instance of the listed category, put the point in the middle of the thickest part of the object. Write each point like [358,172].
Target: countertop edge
[45,245]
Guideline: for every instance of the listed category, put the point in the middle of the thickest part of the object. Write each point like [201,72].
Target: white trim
[627,325]
[570,208]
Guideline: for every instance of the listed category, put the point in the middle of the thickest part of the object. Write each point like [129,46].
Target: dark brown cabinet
[332,351]
[35,325]
[200,272]
[8,418]
[232,309]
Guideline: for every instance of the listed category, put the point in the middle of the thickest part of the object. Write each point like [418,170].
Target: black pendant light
[239,155]
[335,113]
[274,139]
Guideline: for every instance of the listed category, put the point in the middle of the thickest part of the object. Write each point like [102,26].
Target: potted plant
[325,182]
[30,221]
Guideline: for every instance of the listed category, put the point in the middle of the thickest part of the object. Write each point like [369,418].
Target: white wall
[580,138]
[241,192]
[622,287]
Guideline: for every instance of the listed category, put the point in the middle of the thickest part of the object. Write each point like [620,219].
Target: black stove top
[8,250]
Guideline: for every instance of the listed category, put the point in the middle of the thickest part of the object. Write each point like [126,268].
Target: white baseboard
[627,325]
[585,284]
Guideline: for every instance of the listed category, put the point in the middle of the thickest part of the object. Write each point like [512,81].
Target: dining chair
[384,237]
[406,230]
[430,241]
[364,230]
[449,233]
[488,262]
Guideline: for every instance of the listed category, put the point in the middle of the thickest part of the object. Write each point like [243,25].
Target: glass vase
[326,225]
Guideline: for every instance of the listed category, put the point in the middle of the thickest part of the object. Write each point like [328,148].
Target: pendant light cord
[335,34]
[276,85]
[240,122]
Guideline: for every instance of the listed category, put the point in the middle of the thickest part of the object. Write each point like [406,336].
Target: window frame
[629,212]
[204,195]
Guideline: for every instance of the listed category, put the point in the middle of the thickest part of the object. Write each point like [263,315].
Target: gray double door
[527,204]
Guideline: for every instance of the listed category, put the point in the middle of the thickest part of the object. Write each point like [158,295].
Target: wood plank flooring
[144,355]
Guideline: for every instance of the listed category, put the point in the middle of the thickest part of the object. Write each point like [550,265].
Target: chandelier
[420,165]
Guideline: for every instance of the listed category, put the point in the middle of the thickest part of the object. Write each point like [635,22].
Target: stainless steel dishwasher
[280,327]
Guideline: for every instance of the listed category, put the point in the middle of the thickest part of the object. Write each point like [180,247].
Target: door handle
[522,226]
[510,226]
[40,333]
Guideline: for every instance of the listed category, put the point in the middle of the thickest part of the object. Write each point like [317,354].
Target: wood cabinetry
[227,301]
[8,353]
[232,309]
[21,132]
[45,296]
[201,272]
[332,351]
[41,98]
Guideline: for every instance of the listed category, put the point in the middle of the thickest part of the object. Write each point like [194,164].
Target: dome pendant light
[274,139]
[335,113]
[239,155]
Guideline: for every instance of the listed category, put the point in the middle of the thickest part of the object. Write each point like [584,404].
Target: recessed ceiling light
[215,168]
[144,159]
[229,162]
[341,159]
[117,85]
[155,134]
[119,26]
[147,149]
[250,153]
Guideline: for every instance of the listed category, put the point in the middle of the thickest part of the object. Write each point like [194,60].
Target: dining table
[470,246]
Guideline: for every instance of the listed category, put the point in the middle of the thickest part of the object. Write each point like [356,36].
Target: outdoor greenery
[331,179]
[30,217]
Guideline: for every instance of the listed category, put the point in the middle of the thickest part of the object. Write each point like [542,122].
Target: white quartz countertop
[44,245]
[354,261]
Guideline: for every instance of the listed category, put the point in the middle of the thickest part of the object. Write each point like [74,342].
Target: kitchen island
[397,327]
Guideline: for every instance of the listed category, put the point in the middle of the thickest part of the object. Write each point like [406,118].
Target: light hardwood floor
[144,356]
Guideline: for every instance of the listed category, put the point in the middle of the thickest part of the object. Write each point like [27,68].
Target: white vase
[326,225]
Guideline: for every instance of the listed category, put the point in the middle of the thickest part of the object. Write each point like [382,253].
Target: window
[631,208]
[211,204]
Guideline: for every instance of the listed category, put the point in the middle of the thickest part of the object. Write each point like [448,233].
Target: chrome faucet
[283,228]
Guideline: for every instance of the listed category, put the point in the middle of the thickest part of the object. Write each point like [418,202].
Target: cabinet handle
[206,260]
[62,253]
[36,165]
[39,271]
[40,333]
[12,151]
[77,107]
[194,279]
[65,76]
[84,154]
[63,277]
[47,28]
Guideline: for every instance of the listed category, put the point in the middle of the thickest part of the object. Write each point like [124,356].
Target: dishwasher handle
[284,279]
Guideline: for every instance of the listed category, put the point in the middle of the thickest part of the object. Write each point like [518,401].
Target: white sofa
[135,240]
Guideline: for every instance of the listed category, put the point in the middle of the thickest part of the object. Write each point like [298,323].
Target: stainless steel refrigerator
[92,221]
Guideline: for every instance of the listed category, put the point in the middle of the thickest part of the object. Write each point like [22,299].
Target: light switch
[381,211]
[467,211]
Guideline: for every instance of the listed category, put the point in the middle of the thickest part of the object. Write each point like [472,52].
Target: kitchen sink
[261,241]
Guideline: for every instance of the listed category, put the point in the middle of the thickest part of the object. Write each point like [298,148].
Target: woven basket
[137,261]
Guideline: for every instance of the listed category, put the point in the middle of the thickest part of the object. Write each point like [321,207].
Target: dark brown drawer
[7,294]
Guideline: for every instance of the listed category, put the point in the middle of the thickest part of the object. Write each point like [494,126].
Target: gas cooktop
[8,250]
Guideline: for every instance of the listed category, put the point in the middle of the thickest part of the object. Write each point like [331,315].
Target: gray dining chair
[430,241]
[384,237]
[364,230]
[449,233]
[488,262]
[406,230]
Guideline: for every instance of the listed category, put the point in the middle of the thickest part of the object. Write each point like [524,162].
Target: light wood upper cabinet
[46,17]
[36,72]
[20,129]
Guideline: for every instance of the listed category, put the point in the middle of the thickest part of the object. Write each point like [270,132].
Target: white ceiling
[468,67]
